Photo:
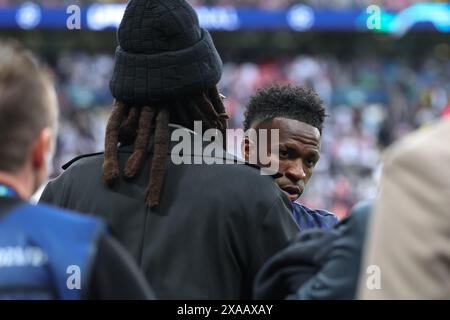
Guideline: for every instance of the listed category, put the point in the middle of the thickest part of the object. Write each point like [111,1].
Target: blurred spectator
[408,234]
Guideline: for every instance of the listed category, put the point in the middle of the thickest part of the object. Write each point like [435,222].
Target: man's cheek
[279,181]
[308,176]
[283,165]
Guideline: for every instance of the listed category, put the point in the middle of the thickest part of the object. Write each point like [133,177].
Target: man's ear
[41,148]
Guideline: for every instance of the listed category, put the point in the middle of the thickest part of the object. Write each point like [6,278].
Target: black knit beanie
[163,53]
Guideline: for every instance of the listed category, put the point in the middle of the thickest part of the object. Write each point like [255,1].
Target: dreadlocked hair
[111,163]
[135,125]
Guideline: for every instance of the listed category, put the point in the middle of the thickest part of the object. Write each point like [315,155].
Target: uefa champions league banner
[421,16]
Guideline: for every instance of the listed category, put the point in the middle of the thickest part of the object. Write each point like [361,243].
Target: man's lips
[293,192]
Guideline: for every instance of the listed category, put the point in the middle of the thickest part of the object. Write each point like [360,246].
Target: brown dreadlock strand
[134,162]
[158,167]
[218,105]
[128,128]
[188,111]
[208,109]
[111,162]
[205,105]
[195,113]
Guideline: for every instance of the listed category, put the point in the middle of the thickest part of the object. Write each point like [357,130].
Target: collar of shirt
[307,218]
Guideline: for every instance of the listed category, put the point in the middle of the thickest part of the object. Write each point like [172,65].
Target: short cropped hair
[286,101]
[27,104]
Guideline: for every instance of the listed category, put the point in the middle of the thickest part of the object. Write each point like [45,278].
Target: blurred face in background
[298,153]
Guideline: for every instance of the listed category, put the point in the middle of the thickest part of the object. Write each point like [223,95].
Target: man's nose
[295,171]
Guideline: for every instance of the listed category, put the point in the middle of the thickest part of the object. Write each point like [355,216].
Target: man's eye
[284,153]
[311,162]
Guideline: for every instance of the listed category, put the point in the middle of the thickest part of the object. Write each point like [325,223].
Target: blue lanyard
[7,192]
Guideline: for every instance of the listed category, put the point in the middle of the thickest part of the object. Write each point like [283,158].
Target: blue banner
[421,16]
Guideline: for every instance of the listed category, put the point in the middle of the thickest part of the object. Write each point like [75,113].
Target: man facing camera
[297,113]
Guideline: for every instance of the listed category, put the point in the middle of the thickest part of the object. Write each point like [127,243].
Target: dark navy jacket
[319,264]
[308,219]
